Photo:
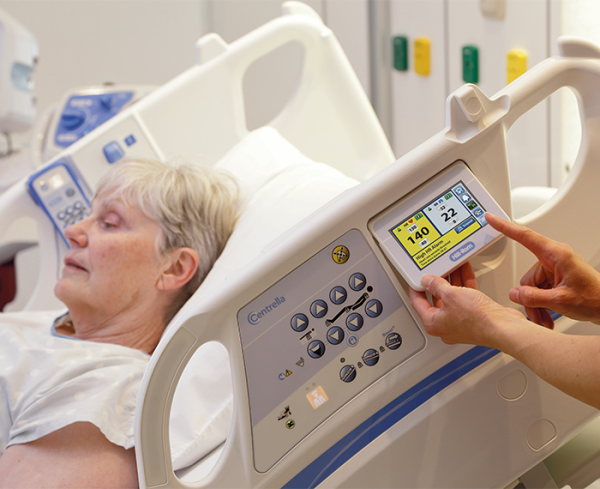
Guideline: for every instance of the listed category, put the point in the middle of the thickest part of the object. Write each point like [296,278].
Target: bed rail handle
[156,394]
[208,47]
[469,111]
[299,8]
[577,66]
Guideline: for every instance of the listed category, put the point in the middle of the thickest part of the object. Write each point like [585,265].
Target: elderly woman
[68,390]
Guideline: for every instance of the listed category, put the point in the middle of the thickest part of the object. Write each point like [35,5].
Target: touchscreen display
[439,226]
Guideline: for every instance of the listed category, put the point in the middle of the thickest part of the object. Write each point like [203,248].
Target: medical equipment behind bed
[79,111]
[335,384]
[18,58]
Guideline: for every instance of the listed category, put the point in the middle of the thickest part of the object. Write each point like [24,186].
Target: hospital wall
[89,42]
[491,30]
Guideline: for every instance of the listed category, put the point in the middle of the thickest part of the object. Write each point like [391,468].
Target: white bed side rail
[577,66]
[475,134]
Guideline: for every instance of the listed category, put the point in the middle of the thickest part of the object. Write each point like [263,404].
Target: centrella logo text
[255,317]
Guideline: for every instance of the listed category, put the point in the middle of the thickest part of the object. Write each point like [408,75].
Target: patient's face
[112,265]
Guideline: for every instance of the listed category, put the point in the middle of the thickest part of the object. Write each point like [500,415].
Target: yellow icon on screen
[416,236]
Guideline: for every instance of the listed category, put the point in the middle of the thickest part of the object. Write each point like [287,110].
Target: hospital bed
[415,414]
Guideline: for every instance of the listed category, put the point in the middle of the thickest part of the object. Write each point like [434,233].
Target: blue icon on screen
[464,225]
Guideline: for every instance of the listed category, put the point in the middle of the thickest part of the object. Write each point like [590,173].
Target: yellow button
[340,254]
[516,64]
[422,56]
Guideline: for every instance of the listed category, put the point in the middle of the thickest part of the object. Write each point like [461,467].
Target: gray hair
[194,206]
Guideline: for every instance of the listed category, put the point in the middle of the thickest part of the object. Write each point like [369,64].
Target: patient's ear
[180,266]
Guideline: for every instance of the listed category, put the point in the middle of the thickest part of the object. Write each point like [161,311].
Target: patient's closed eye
[110,221]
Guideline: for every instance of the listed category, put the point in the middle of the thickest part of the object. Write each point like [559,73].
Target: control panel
[83,113]
[57,191]
[316,339]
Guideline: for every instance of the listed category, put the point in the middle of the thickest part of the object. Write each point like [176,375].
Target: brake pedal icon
[284,414]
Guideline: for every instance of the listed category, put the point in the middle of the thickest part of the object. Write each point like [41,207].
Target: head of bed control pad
[57,190]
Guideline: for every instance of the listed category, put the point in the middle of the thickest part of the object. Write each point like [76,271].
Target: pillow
[280,187]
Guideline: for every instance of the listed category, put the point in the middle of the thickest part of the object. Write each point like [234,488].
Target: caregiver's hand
[561,280]
[459,313]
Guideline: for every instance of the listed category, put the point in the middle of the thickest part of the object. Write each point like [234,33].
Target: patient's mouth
[70,263]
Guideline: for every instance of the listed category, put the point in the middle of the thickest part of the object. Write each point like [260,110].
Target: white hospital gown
[49,382]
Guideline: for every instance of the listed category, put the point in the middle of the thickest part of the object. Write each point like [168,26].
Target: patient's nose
[77,233]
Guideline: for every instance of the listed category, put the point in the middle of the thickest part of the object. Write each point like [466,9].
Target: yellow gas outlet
[516,64]
[422,56]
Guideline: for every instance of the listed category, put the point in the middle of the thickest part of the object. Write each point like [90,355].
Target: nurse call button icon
[317,397]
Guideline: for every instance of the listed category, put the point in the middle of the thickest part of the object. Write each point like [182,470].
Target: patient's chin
[57,290]
[62,289]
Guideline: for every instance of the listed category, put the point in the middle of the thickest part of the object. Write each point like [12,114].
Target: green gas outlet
[401,53]
[470,68]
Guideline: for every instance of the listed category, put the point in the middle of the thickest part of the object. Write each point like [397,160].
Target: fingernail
[426,281]
[513,295]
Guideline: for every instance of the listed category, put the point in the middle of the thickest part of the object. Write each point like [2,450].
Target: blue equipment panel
[55,188]
[309,350]
[83,113]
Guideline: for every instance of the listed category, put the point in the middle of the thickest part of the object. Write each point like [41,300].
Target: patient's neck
[138,329]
